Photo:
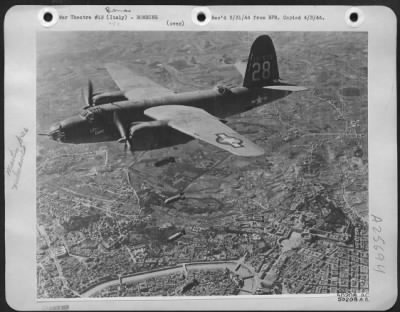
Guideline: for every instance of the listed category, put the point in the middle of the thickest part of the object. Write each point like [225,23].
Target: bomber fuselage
[96,123]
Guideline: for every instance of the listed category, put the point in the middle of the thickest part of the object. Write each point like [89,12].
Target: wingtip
[259,153]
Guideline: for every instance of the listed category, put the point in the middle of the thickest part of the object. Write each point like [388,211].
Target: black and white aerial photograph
[180,163]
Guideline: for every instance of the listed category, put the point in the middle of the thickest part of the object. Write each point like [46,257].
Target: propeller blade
[90,93]
[84,95]
[87,94]
[46,134]
[128,148]
[122,131]
[128,145]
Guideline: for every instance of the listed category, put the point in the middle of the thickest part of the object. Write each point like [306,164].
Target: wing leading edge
[201,125]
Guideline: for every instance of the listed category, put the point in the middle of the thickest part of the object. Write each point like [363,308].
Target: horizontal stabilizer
[241,68]
[286,88]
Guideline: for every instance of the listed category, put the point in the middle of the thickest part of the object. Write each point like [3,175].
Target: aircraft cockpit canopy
[223,90]
[89,114]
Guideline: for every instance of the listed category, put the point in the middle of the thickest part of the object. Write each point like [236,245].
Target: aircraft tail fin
[262,66]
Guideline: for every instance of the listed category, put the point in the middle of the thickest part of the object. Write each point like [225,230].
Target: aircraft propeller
[124,136]
[87,94]
[127,144]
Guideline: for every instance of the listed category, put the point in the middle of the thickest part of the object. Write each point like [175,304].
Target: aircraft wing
[134,86]
[201,125]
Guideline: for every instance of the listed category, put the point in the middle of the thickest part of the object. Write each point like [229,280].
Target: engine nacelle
[154,135]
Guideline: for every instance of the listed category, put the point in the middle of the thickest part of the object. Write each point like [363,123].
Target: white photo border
[20,27]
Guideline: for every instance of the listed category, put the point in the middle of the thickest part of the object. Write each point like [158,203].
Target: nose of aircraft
[55,132]
[68,130]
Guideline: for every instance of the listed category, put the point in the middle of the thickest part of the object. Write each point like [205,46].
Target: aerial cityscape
[194,220]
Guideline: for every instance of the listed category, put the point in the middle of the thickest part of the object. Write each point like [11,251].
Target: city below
[193,220]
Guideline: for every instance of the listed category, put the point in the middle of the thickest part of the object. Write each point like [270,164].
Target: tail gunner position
[145,115]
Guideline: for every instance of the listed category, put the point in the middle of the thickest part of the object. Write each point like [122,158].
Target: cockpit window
[83,114]
[89,114]
[223,90]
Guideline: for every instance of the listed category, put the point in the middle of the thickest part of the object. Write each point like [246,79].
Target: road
[43,232]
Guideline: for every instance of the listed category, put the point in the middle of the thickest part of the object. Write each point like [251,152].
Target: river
[146,275]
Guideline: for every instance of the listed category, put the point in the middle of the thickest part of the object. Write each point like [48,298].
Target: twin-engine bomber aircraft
[145,115]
